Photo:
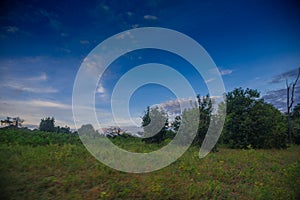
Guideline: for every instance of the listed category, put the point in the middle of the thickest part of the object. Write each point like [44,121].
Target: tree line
[250,122]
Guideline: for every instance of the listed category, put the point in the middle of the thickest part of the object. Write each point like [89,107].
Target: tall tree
[176,123]
[290,90]
[250,122]
[295,124]
[205,110]
[12,121]
[88,130]
[47,125]
[155,125]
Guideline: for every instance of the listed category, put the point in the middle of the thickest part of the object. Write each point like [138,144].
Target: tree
[290,89]
[65,129]
[155,124]
[88,130]
[47,125]
[12,121]
[266,126]
[205,110]
[250,122]
[239,102]
[176,123]
[295,124]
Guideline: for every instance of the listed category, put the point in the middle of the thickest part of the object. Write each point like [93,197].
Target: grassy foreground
[69,172]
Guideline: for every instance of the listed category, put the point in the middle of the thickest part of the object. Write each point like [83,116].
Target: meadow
[57,166]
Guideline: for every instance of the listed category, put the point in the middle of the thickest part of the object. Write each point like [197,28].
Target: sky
[254,44]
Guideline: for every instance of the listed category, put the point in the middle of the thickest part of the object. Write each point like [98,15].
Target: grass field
[68,171]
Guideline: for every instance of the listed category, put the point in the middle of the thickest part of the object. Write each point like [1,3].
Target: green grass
[68,171]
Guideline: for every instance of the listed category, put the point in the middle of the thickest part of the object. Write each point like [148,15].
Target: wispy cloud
[11,29]
[26,88]
[279,97]
[52,19]
[32,84]
[84,42]
[48,104]
[173,106]
[209,80]
[100,89]
[150,17]
[42,77]
[32,111]
[92,63]
[226,72]
[285,75]
[126,34]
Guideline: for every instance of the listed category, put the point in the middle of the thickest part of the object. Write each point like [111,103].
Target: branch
[293,88]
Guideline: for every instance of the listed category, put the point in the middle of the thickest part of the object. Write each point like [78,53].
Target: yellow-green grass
[70,172]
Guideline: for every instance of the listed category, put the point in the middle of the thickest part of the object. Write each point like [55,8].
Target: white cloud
[135,25]
[32,111]
[150,17]
[48,104]
[42,77]
[100,89]
[173,106]
[25,88]
[209,80]
[92,63]
[12,29]
[129,13]
[124,35]
[84,42]
[226,72]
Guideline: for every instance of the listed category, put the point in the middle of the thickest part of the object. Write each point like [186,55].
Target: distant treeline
[250,123]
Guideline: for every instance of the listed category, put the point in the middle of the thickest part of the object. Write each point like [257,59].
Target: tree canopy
[251,122]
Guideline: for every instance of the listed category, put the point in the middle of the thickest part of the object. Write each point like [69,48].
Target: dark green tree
[290,90]
[295,124]
[176,123]
[47,125]
[155,125]
[250,122]
[266,126]
[65,129]
[205,110]
[239,102]
[88,130]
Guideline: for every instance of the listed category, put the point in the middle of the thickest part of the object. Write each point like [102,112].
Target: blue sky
[255,44]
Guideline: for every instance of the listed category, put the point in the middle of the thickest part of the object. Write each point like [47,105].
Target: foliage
[69,172]
[205,110]
[176,123]
[189,126]
[155,125]
[88,130]
[13,136]
[65,129]
[252,122]
[47,125]
[12,121]
[295,124]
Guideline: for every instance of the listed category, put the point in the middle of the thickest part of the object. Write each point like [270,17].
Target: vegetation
[253,161]
[295,124]
[47,124]
[12,136]
[68,171]
[250,122]
[155,124]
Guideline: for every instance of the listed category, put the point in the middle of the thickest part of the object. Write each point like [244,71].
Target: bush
[35,138]
[252,122]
